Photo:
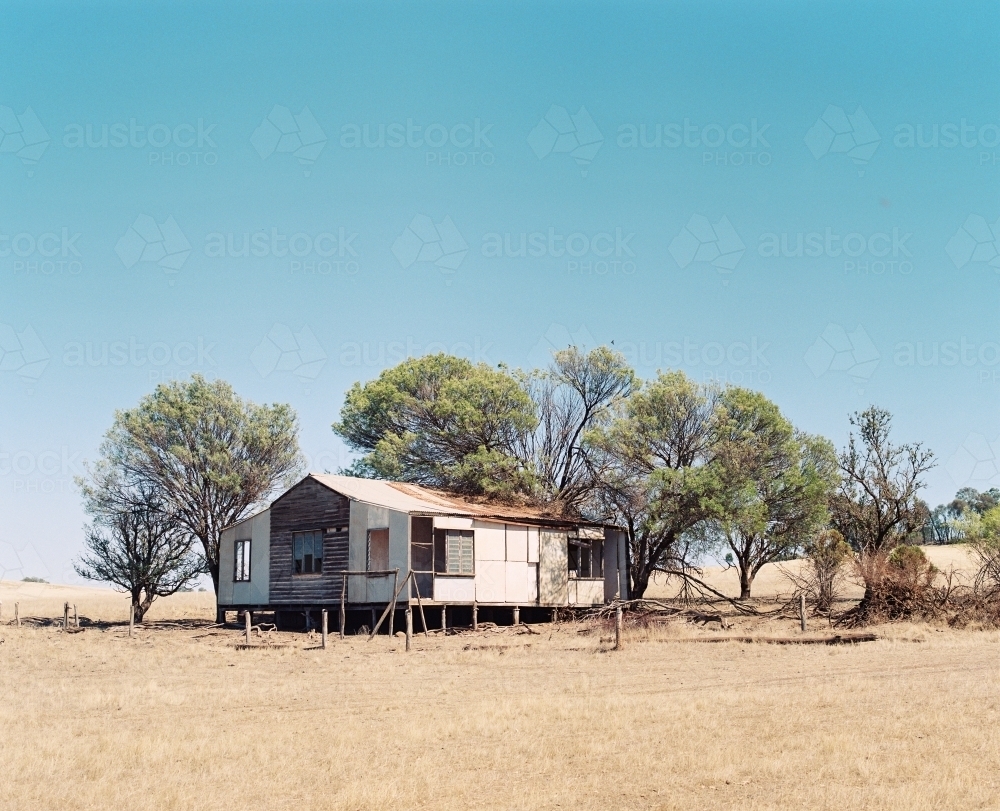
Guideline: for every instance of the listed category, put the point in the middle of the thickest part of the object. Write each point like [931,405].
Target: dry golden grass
[505,719]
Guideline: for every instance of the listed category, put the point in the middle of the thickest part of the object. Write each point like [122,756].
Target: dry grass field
[177,718]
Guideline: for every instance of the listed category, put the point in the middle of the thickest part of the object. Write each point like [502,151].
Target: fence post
[131,617]
[76,616]
[802,610]
[324,628]
[555,615]
[420,605]
[475,616]
[392,612]
[517,615]
[444,618]
[65,616]
[17,615]
[618,628]
[409,627]
[343,595]
[247,624]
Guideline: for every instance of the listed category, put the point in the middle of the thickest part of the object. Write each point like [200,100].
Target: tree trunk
[639,584]
[746,581]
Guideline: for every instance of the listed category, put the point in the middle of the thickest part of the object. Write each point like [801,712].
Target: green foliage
[211,456]
[441,421]
[660,478]
[777,482]
[982,533]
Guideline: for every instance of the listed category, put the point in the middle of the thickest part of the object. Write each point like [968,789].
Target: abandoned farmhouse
[338,540]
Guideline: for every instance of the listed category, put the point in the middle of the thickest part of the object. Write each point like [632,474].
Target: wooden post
[343,596]
[555,615]
[802,610]
[475,616]
[17,615]
[65,616]
[324,628]
[420,605]
[390,607]
[392,612]
[517,615]
[373,617]
[444,618]
[247,624]
[618,628]
[131,617]
[409,627]
[76,617]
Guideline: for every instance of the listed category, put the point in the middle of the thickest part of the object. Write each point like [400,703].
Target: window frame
[242,546]
[313,571]
[463,536]
[368,549]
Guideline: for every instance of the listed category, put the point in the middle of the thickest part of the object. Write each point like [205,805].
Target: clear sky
[800,197]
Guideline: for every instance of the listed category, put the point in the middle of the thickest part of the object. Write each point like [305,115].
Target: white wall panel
[446,522]
[454,589]
[517,583]
[491,541]
[517,543]
[491,581]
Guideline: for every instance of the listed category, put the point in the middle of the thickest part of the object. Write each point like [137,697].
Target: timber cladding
[307,507]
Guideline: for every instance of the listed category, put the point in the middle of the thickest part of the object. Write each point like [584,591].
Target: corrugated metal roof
[414,498]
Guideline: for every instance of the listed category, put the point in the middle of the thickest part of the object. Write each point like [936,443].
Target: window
[308,552]
[586,558]
[241,559]
[378,550]
[459,555]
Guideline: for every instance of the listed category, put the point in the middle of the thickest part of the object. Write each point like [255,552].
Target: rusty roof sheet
[414,498]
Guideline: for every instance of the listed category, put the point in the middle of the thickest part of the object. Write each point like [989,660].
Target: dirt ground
[546,717]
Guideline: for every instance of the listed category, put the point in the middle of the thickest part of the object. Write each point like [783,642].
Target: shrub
[826,553]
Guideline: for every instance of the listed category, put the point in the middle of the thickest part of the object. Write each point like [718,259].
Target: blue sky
[293,197]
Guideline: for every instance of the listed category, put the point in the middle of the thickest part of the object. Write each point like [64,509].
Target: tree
[875,506]
[659,475]
[209,456]
[777,483]
[982,532]
[133,542]
[576,394]
[444,422]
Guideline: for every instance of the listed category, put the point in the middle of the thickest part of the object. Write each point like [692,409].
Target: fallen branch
[839,639]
